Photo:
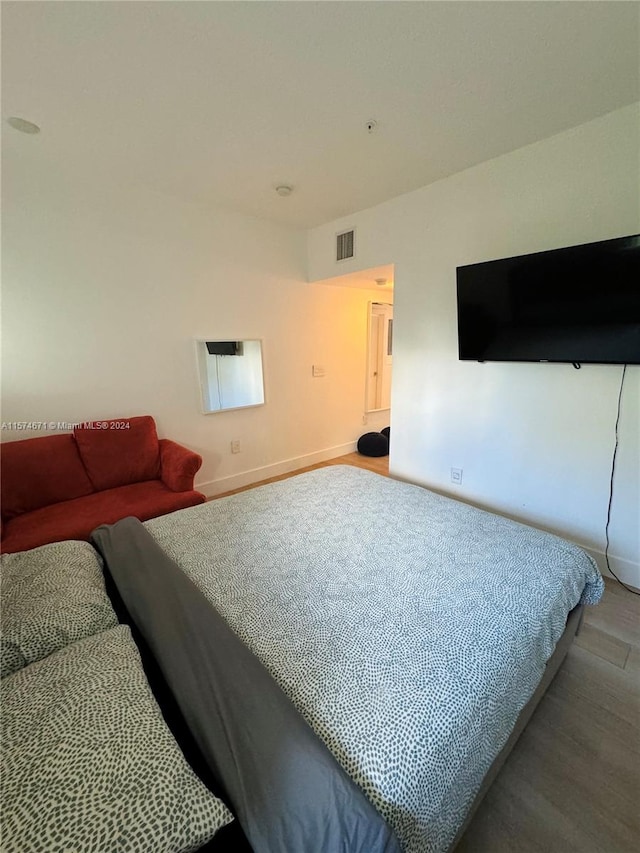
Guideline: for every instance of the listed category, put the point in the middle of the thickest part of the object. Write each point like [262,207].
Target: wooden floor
[572,782]
[379,464]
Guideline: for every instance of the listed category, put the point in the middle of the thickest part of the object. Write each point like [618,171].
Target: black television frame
[493,279]
[224,347]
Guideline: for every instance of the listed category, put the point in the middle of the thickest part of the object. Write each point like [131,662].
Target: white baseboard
[256,475]
[626,570]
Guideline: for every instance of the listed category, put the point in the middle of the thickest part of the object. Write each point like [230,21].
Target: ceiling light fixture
[22,125]
[284,189]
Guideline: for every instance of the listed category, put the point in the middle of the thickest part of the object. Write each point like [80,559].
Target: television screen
[579,305]
[223,347]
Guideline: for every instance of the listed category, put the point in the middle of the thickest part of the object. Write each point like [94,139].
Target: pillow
[119,452]
[51,596]
[89,762]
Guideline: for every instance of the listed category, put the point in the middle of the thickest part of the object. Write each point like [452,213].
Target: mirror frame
[201,378]
[367,410]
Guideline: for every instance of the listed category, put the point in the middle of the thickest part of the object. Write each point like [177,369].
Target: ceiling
[220,102]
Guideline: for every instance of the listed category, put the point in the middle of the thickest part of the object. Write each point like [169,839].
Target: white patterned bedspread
[407,628]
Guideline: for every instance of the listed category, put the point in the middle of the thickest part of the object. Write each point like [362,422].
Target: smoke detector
[381,282]
[284,189]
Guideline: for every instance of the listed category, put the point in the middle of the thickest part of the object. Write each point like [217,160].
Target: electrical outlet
[456,476]
[235,446]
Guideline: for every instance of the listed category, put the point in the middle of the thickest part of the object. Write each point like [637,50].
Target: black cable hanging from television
[613,468]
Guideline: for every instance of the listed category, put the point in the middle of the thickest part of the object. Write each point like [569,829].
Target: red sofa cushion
[37,472]
[77,518]
[117,455]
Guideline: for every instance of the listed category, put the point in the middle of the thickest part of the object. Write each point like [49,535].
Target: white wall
[105,290]
[535,441]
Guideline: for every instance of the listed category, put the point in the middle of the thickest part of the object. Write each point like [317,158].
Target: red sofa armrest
[178,465]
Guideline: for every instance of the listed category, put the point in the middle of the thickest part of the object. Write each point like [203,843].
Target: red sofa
[63,486]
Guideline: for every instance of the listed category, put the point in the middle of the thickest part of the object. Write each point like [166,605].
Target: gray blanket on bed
[283,784]
[408,629]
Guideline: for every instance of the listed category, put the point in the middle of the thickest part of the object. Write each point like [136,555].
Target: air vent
[345,245]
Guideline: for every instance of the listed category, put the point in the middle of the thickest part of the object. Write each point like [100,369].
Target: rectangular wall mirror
[230,374]
[379,356]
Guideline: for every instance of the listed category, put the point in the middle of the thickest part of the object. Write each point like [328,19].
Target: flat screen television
[224,348]
[579,305]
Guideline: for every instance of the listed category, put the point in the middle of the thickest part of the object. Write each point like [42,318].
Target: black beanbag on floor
[373,444]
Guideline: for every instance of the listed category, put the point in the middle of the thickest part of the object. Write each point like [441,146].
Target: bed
[353,655]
